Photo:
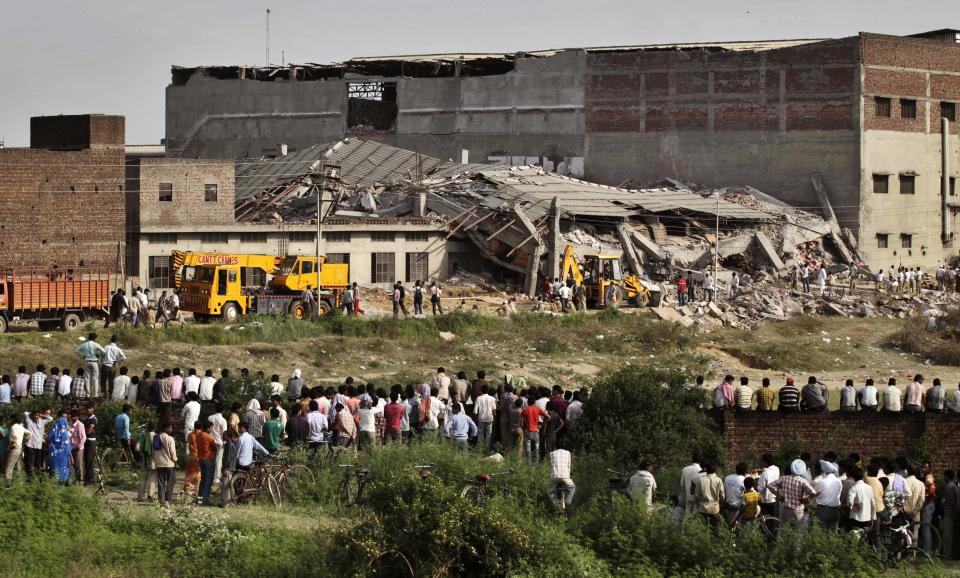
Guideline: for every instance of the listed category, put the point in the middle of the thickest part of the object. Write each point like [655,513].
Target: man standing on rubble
[681,290]
[822,278]
[879,280]
[734,285]
[805,277]
[853,277]
[708,289]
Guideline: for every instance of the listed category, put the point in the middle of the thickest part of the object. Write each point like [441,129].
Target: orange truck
[62,297]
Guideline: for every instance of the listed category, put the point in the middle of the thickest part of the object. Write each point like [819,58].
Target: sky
[114,56]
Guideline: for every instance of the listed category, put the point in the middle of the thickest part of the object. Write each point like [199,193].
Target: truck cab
[215,290]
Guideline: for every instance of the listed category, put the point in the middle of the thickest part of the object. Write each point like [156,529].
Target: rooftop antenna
[268,37]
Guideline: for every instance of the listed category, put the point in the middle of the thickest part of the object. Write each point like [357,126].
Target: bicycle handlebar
[424,467]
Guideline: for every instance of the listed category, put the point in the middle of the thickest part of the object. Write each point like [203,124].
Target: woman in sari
[59,444]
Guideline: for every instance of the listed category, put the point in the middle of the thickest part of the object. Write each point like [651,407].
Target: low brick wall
[747,436]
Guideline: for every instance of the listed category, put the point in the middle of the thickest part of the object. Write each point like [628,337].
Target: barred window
[382,267]
[337,237]
[214,237]
[210,193]
[158,270]
[417,266]
[383,236]
[166,192]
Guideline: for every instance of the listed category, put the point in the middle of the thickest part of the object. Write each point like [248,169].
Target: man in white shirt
[206,386]
[771,473]
[18,436]
[892,397]
[484,408]
[190,413]
[437,413]
[218,427]
[65,386]
[860,501]
[868,397]
[442,383]
[112,355]
[575,409]
[829,488]
[565,294]
[688,476]
[121,384]
[643,485]
[560,477]
[733,492]
[191,383]
[276,388]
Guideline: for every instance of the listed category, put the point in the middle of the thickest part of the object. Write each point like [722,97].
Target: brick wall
[75,132]
[747,436]
[189,178]
[807,87]
[61,207]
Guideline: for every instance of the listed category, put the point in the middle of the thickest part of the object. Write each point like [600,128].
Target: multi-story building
[865,112]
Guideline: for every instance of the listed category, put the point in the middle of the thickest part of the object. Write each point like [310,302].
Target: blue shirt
[245,448]
[460,427]
[122,426]
[4,393]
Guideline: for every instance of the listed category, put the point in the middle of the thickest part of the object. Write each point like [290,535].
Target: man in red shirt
[682,290]
[206,451]
[393,414]
[530,420]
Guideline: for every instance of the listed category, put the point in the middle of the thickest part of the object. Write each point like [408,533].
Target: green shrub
[645,413]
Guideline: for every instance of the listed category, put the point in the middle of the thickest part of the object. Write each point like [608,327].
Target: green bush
[106,414]
[645,413]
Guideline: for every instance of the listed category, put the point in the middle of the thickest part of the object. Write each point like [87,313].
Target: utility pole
[323,180]
[716,251]
[268,38]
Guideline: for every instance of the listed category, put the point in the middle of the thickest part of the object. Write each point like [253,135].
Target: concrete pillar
[533,268]
[945,182]
[553,258]
[420,204]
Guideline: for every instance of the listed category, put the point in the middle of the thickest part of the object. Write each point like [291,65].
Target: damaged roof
[535,189]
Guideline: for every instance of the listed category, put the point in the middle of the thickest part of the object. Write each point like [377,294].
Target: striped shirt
[789,396]
[37,381]
[744,397]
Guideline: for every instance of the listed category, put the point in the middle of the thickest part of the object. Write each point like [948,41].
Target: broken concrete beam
[624,234]
[553,255]
[766,247]
[714,311]
[834,309]
[647,246]
[835,235]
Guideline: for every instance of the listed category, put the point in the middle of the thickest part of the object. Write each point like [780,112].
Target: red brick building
[62,199]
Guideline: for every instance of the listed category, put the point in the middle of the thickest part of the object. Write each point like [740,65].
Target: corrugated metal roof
[362,163]
[535,189]
[365,163]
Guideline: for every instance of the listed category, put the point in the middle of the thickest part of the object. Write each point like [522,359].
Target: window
[283,245]
[162,238]
[417,236]
[417,267]
[882,240]
[948,110]
[337,237]
[158,270]
[908,108]
[253,237]
[906,241]
[336,258]
[908,184]
[302,236]
[210,193]
[381,268]
[166,193]
[214,237]
[306,267]
[882,106]
[383,236]
[881,184]
[372,105]
[253,277]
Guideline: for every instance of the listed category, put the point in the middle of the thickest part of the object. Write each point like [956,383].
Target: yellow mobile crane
[601,272]
[223,284]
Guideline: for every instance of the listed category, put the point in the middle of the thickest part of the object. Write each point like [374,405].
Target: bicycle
[769,526]
[108,496]
[478,490]
[560,494]
[255,485]
[352,486]
[894,544]
[118,463]
[293,479]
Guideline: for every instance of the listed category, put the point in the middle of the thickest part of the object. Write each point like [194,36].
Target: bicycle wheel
[476,495]
[242,488]
[273,491]
[112,498]
[117,467]
[344,494]
[770,526]
[914,556]
[296,482]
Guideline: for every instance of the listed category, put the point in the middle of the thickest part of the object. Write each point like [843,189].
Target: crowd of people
[815,396]
[508,417]
[837,494]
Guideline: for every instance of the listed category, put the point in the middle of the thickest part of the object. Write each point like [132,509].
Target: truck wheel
[297,310]
[323,308]
[641,299]
[230,312]
[71,322]
[3,324]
